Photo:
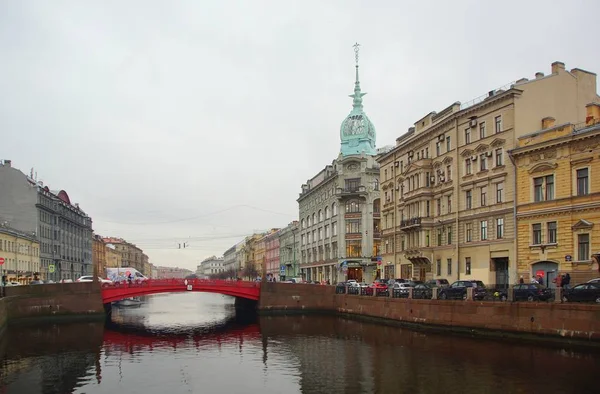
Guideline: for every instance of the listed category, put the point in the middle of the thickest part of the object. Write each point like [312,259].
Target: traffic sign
[282,270]
[51,268]
[1,260]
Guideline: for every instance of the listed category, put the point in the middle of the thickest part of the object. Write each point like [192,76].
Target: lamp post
[294,253]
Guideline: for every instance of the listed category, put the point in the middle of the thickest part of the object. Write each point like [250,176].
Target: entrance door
[501,265]
[548,271]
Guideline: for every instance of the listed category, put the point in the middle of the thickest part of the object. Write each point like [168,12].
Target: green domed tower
[357,133]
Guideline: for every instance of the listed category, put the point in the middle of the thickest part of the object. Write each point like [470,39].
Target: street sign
[1,260]
[51,268]
[282,270]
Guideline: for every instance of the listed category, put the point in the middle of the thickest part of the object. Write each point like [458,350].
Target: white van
[121,274]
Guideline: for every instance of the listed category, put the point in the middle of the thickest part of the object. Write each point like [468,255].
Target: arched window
[326,212]
[320,216]
[314,219]
[334,209]
[352,206]
[308,221]
[303,224]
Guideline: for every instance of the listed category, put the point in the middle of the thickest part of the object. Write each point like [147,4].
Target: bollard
[510,293]
[558,295]
[469,294]
[434,293]
[410,293]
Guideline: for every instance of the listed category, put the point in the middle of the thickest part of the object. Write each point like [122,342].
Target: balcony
[377,234]
[351,191]
[410,223]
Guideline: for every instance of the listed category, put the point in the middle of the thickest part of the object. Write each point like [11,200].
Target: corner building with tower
[339,206]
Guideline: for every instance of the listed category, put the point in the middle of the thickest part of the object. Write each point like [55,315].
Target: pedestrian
[559,280]
[567,281]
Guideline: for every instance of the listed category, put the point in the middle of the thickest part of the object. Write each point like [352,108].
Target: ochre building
[558,199]
[448,186]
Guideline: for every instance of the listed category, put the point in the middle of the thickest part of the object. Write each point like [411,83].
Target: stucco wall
[549,319]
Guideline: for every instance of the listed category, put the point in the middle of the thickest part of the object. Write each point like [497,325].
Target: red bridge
[112,292]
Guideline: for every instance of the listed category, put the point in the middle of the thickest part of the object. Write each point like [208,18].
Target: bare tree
[250,271]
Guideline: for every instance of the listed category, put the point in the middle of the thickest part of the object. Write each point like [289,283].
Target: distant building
[63,229]
[99,255]
[172,273]
[210,266]
[114,258]
[21,254]
[131,255]
[272,258]
[289,250]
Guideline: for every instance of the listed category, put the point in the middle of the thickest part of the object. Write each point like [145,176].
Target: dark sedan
[585,292]
[458,290]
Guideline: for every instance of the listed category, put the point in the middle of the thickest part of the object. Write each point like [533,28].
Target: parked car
[596,280]
[423,291]
[90,278]
[380,288]
[582,293]
[401,289]
[458,290]
[439,283]
[531,292]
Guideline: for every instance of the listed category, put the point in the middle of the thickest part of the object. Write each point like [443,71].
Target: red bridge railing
[183,282]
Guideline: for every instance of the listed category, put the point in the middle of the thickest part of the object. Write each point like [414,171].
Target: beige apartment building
[448,187]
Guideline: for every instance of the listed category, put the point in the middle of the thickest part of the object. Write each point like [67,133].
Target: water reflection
[187,343]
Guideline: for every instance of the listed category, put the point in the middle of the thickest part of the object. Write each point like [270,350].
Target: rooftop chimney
[540,74]
[8,163]
[548,122]
[592,114]
[556,66]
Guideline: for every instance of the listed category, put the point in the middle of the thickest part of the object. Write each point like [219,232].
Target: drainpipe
[515,227]
[457,199]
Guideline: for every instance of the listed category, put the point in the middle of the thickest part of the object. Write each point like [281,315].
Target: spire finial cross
[356,50]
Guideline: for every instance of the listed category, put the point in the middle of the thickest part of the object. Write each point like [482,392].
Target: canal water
[195,343]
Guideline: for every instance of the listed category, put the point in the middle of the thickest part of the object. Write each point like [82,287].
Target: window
[499,158]
[448,145]
[467,137]
[468,166]
[582,182]
[499,192]
[352,185]
[427,152]
[449,202]
[439,206]
[320,216]
[327,234]
[439,237]
[449,235]
[320,233]
[427,208]
[352,226]
[543,188]
[427,180]
[353,206]
[334,209]
[482,130]
[449,268]
[552,232]
[327,216]
[483,196]
[500,228]
[583,247]
[437,148]
[498,123]
[427,238]
[537,233]
[482,162]
[484,235]
[438,264]
[468,232]
[334,228]
[468,199]
[448,173]
[353,248]
[303,224]
[467,266]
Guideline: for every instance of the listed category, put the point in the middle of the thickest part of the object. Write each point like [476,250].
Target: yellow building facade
[448,186]
[98,256]
[558,199]
[114,258]
[21,254]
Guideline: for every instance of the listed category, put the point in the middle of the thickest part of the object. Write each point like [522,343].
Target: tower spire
[357,95]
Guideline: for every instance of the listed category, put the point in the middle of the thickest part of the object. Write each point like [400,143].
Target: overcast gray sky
[199,120]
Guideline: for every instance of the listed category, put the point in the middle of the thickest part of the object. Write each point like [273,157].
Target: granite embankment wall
[71,300]
[546,321]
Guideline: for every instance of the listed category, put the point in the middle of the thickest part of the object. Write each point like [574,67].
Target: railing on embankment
[552,320]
